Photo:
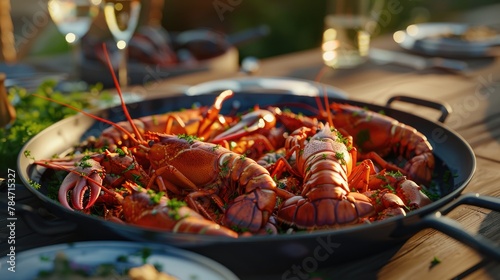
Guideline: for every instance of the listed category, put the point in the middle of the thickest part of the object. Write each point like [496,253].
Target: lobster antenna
[327,107]
[120,94]
[317,79]
[89,115]
[325,97]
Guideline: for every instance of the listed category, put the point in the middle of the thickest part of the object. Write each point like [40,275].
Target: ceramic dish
[448,39]
[122,255]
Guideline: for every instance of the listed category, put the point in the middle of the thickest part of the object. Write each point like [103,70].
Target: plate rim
[159,249]
[465,49]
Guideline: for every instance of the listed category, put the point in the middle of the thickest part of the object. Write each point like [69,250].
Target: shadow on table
[365,267]
[490,91]
[490,229]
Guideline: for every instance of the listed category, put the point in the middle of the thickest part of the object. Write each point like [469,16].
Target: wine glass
[122,17]
[348,28]
[73,19]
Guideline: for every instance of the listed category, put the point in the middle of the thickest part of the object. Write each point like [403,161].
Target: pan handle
[43,225]
[453,229]
[443,107]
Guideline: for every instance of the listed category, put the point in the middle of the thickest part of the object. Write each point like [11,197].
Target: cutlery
[415,61]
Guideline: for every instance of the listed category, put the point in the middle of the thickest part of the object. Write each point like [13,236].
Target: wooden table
[475,100]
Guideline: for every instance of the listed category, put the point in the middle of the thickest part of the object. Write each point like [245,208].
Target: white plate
[275,84]
[434,39]
[176,262]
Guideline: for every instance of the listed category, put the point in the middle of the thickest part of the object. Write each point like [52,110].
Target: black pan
[277,254]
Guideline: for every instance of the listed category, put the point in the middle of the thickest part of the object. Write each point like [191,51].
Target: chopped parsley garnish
[224,169]
[432,195]
[44,258]
[389,187]
[87,157]
[340,157]
[84,164]
[362,137]
[343,140]
[215,148]
[34,184]
[27,154]
[130,167]
[137,178]
[189,138]
[435,261]
[239,229]
[281,185]
[121,152]
[395,174]
[155,197]
[174,205]
[145,254]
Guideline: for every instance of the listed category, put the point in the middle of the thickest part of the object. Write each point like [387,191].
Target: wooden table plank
[470,98]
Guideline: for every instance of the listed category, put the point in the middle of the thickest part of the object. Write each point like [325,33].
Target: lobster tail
[326,212]
[326,164]
[250,211]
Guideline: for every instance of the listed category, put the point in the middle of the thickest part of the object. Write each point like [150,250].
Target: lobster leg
[138,209]
[173,173]
[383,163]
[193,203]
[168,173]
[169,123]
[212,113]
[359,178]
[282,165]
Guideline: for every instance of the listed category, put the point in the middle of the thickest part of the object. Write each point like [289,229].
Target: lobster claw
[249,123]
[412,193]
[88,175]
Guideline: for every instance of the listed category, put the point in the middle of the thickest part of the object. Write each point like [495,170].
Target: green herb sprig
[33,114]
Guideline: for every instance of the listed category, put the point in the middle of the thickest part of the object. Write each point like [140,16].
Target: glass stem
[122,68]
[76,49]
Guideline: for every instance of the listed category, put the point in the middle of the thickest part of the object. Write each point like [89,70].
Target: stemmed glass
[73,19]
[122,17]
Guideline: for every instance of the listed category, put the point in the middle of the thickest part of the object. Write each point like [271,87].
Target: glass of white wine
[73,19]
[122,17]
[348,29]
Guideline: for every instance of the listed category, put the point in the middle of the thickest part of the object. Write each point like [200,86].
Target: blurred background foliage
[297,25]
[294,25]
